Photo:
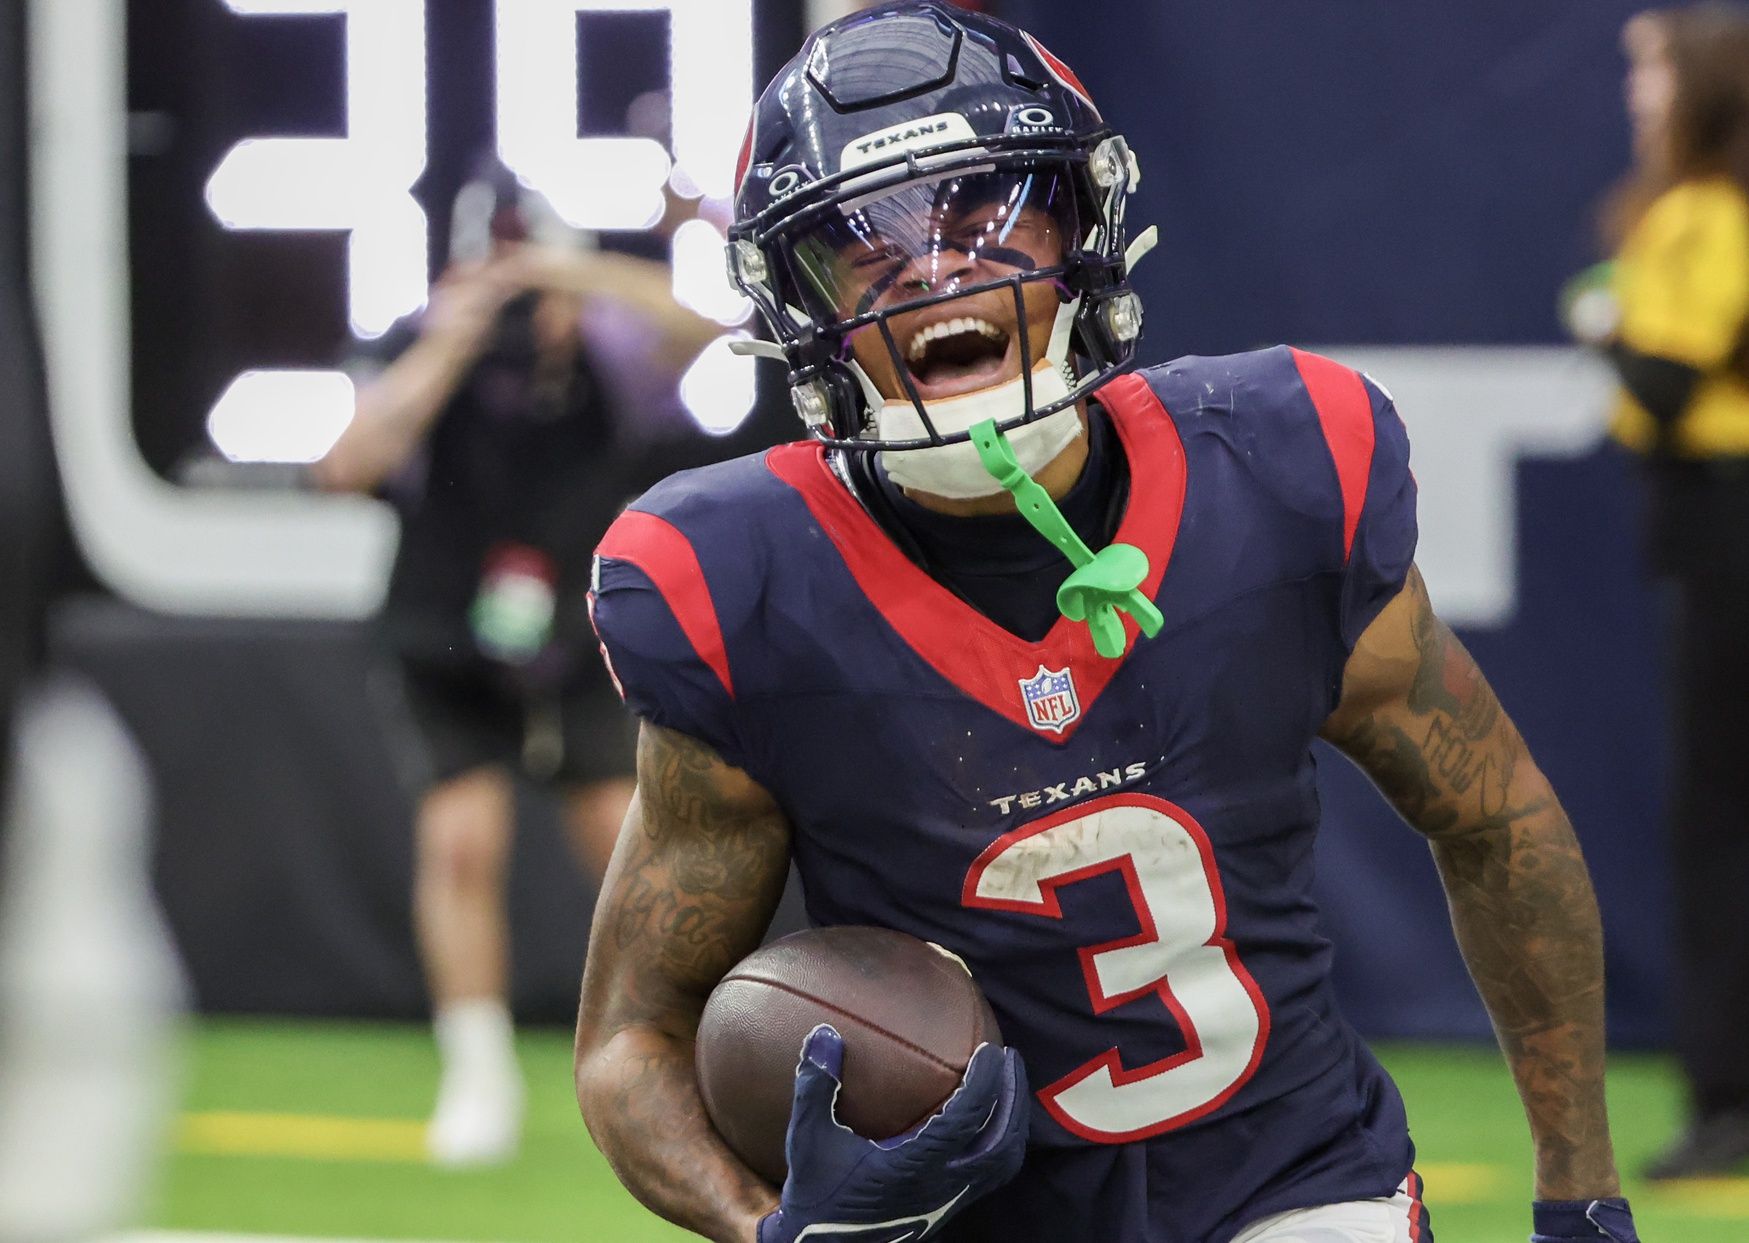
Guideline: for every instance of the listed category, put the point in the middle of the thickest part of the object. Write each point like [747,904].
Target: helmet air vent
[863,64]
[1018,74]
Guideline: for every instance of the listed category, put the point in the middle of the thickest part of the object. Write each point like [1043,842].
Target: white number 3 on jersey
[1181,954]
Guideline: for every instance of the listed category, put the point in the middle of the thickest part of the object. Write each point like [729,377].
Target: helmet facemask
[997,272]
[941,288]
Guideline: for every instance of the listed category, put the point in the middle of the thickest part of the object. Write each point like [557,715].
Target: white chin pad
[955,470]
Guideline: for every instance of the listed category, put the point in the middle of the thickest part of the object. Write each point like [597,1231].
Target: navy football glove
[1582,1221]
[842,1185]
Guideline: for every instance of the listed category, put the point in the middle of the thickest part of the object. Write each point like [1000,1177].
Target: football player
[866,653]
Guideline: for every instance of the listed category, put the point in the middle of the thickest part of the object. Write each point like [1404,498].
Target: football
[910,1014]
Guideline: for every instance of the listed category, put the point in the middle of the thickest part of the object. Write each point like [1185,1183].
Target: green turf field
[313,1129]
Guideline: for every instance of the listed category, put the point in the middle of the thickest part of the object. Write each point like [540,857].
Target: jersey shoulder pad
[1306,428]
[696,538]
[704,495]
[675,597]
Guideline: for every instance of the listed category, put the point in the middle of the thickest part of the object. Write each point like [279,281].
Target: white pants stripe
[1400,1219]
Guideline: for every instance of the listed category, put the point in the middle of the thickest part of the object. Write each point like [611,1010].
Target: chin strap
[1102,583]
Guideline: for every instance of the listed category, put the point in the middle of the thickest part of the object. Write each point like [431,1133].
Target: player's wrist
[1579,1221]
[1576,1177]
[741,1225]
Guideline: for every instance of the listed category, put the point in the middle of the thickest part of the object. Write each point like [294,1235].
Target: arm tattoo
[700,874]
[697,873]
[1442,751]
[1418,716]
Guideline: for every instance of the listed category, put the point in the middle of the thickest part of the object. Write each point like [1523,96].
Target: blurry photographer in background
[492,423]
[1672,314]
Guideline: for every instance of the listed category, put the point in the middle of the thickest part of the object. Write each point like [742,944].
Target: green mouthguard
[1102,582]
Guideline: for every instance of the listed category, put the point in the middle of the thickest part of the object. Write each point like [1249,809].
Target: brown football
[909,1012]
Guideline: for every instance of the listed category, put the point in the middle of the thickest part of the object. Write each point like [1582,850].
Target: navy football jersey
[1121,850]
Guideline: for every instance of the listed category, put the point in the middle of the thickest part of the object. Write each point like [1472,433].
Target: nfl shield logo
[1050,699]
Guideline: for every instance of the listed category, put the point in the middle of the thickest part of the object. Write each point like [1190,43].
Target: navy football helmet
[916,153]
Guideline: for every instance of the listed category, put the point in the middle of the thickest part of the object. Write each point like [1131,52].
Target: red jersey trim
[1345,415]
[658,548]
[1417,1211]
[986,662]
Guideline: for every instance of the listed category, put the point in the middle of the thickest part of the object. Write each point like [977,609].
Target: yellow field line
[1710,1197]
[319,1137]
[1454,1182]
[327,1138]
[311,1136]
[1460,1182]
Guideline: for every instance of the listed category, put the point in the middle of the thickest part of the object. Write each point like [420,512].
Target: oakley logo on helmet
[1031,118]
[786,181]
[943,127]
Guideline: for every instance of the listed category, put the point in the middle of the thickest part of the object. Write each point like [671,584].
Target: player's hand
[1583,1221]
[841,1184]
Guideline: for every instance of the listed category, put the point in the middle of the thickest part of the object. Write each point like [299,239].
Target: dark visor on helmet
[933,239]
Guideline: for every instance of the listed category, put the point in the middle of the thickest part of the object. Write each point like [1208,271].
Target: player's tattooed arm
[1418,716]
[695,878]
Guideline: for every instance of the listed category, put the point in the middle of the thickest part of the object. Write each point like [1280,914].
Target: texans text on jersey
[1065,791]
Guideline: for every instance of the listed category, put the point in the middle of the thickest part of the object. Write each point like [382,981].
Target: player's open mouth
[959,355]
